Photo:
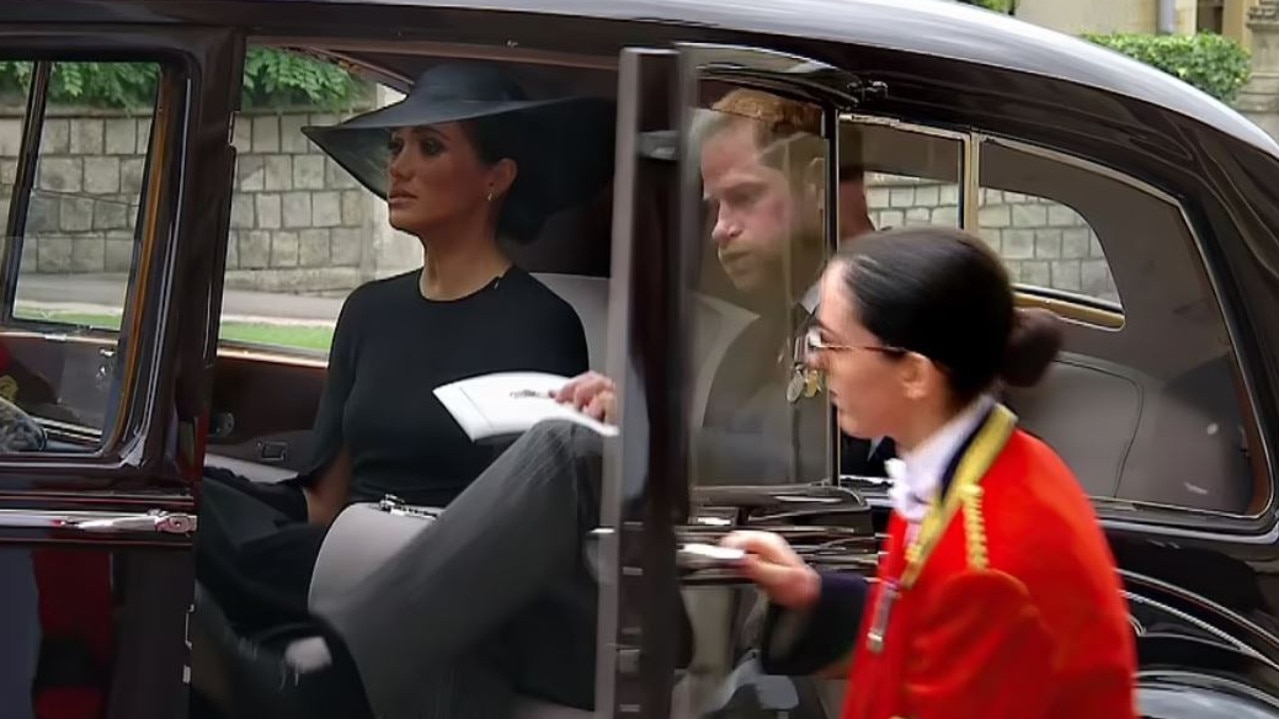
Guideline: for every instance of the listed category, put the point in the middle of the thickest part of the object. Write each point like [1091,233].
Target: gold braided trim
[975,528]
[977,460]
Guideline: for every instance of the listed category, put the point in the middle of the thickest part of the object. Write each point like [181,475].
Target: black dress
[391,348]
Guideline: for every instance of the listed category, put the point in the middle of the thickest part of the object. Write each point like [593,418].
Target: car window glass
[1148,408]
[1046,245]
[911,177]
[303,231]
[72,252]
[892,176]
[759,417]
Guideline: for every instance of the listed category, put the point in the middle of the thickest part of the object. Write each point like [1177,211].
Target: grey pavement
[105,292]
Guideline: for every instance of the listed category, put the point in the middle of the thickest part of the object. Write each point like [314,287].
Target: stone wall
[88,183]
[1042,242]
[298,220]
[299,223]
[1259,99]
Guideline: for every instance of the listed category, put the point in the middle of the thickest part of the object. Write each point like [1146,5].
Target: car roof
[932,27]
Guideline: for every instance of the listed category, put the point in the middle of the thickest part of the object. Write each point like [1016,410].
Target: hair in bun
[1033,344]
[943,293]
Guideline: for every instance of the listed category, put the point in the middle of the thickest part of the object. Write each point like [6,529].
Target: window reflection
[762,166]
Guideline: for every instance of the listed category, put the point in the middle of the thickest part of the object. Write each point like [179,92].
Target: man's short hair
[779,119]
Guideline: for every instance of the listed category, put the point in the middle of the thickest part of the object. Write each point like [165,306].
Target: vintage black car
[1143,212]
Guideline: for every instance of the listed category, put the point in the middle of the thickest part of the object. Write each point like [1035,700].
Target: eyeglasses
[813,342]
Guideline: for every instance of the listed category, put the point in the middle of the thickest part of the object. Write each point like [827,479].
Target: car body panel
[97,548]
[1203,587]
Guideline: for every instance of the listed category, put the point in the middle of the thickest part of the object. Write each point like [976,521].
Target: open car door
[676,319]
[103,378]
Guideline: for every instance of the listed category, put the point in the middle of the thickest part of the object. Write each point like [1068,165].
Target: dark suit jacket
[753,435]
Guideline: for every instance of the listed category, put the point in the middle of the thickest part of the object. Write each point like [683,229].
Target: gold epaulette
[974,528]
[965,493]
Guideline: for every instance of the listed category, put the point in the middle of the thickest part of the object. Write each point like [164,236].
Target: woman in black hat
[466,162]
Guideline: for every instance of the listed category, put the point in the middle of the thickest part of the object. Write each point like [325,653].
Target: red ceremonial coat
[1005,603]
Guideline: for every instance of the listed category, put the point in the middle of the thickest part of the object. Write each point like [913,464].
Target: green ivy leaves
[272,78]
[1217,65]
[111,84]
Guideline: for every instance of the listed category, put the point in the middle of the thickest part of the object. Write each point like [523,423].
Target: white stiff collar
[917,475]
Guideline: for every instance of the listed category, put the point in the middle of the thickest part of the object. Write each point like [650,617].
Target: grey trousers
[492,599]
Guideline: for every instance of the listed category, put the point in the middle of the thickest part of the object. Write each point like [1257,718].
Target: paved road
[105,293]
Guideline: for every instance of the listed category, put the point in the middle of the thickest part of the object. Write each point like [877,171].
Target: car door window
[912,175]
[72,179]
[1047,246]
[761,161]
[303,232]
[1144,402]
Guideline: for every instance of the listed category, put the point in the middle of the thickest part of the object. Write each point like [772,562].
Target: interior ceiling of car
[570,76]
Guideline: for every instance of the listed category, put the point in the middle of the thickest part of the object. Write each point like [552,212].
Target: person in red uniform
[997,596]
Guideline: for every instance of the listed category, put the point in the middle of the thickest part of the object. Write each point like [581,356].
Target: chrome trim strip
[1153,679]
[970,195]
[156,521]
[1138,581]
[1134,598]
[902,125]
[232,351]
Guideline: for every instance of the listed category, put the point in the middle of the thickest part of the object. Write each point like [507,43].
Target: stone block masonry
[1042,242]
[84,206]
[298,223]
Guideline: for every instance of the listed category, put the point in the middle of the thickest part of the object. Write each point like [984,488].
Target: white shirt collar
[917,475]
[811,298]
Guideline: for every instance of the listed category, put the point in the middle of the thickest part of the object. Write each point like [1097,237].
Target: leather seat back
[715,326]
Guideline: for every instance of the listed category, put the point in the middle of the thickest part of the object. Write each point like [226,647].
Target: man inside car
[762,160]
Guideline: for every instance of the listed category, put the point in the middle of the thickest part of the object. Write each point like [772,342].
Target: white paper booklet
[510,403]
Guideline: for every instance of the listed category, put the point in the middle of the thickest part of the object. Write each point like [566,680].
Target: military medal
[812,383]
[795,386]
[883,608]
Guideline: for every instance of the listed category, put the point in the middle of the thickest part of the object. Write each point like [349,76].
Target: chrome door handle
[153,521]
[156,520]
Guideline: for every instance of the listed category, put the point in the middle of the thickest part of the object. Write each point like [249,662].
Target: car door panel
[79,366]
[96,571]
[263,408]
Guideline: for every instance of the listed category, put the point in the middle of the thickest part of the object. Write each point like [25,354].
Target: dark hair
[944,294]
[499,137]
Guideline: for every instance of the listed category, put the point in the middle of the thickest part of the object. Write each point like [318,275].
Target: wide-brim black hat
[564,146]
